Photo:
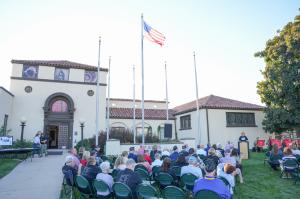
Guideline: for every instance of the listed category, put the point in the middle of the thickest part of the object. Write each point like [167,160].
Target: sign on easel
[6,140]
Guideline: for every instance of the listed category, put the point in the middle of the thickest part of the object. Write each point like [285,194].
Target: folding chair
[205,194]
[83,187]
[188,181]
[173,192]
[101,186]
[146,191]
[121,190]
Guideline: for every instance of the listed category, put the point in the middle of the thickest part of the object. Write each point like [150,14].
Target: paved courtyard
[38,179]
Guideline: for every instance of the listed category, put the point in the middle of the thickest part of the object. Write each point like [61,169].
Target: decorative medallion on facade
[90,92]
[90,76]
[28,89]
[61,74]
[30,72]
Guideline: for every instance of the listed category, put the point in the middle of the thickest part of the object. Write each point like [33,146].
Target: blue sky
[224,34]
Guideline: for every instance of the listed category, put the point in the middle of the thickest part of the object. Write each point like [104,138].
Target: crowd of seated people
[206,164]
[277,158]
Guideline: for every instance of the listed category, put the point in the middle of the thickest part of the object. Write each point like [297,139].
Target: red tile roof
[150,114]
[58,63]
[216,102]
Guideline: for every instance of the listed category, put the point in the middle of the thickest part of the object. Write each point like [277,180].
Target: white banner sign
[6,141]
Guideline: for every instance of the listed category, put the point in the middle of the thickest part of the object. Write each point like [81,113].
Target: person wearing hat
[192,168]
[211,183]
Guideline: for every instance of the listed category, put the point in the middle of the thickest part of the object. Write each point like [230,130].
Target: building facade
[54,96]
[221,120]
[121,116]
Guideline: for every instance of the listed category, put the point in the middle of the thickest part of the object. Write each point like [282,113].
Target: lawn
[7,165]
[260,182]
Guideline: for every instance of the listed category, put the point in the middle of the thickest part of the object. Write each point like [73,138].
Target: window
[90,76]
[59,106]
[61,74]
[30,72]
[240,119]
[185,122]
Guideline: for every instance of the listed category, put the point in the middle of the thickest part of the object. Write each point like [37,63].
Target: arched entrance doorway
[58,120]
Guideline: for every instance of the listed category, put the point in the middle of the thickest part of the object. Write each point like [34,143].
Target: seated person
[212,156]
[91,170]
[295,149]
[85,156]
[274,157]
[104,176]
[153,152]
[165,152]
[228,159]
[175,154]
[287,155]
[157,161]
[69,166]
[129,177]
[227,171]
[142,161]
[120,163]
[192,168]
[200,150]
[147,157]
[220,149]
[218,153]
[210,182]
[180,162]
[132,154]
[73,153]
[166,168]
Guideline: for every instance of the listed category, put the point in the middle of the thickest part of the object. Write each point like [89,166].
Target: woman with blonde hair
[85,156]
[120,163]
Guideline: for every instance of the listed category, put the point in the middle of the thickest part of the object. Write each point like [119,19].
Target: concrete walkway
[39,179]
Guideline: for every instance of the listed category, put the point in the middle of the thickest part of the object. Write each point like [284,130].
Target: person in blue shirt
[210,182]
[132,154]
[175,154]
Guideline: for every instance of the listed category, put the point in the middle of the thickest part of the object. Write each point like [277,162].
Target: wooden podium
[244,150]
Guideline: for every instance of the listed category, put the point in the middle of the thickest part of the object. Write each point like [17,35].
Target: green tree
[279,89]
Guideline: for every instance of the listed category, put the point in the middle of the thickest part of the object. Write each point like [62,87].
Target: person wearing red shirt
[147,157]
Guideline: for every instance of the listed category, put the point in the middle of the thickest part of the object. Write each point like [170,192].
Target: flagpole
[108,101]
[133,125]
[142,63]
[197,103]
[167,100]
[97,94]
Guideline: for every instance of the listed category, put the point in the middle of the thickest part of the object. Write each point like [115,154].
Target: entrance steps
[55,151]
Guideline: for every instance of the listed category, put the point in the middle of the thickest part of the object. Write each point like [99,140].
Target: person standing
[44,141]
[243,137]
[37,143]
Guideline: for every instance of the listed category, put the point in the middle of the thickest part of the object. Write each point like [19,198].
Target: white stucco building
[221,120]
[54,96]
[121,116]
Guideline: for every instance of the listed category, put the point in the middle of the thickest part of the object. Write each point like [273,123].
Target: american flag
[153,35]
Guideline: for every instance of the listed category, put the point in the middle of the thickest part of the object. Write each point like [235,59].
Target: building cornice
[56,81]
